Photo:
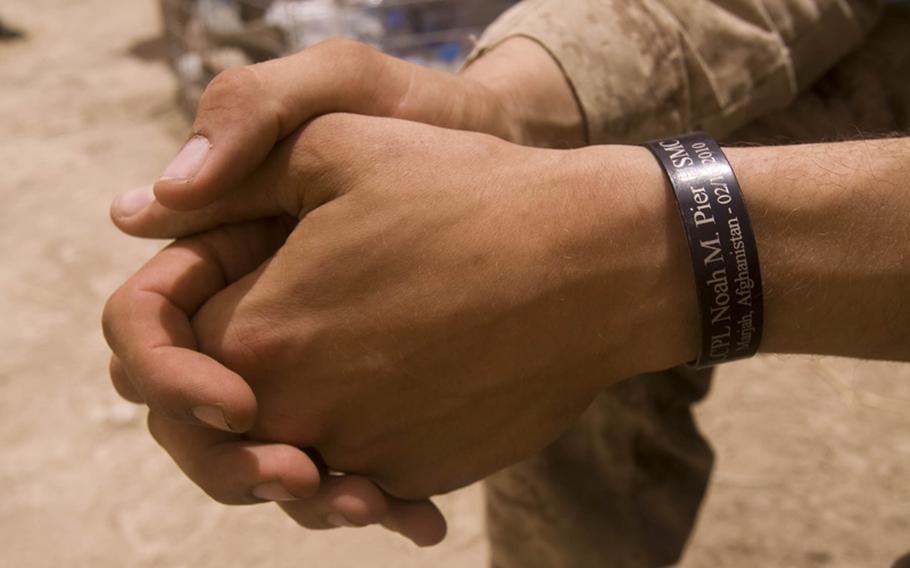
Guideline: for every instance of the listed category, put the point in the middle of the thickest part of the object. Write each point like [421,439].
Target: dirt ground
[813,454]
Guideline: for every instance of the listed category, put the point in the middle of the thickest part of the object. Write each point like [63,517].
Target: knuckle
[304,431]
[240,95]
[156,427]
[333,129]
[234,94]
[107,320]
[203,469]
[121,381]
[320,152]
[409,481]
[303,170]
[224,476]
[377,507]
[349,453]
[112,314]
[228,85]
[125,391]
[397,487]
[311,159]
[249,345]
[345,47]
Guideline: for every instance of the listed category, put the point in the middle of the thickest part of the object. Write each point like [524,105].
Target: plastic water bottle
[434,33]
[219,16]
[305,22]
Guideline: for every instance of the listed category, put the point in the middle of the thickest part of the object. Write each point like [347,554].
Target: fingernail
[338,520]
[134,201]
[272,491]
[213,416]
[190,159]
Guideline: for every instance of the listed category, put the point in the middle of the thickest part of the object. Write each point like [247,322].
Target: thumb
[304,171]
[245,111]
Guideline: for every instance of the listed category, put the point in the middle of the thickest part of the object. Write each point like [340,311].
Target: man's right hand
[515,92]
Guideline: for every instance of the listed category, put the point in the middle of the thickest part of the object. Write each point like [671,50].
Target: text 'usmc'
[721,244]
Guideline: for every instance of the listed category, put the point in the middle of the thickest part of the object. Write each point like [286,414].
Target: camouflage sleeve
[647,68]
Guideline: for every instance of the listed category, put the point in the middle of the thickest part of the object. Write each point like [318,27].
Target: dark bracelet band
[721,243]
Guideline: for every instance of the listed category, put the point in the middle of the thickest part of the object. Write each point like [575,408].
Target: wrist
[829,222]
[532,93]
[624,251]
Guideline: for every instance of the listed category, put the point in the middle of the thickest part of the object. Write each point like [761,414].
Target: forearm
[832,225]
[533,92]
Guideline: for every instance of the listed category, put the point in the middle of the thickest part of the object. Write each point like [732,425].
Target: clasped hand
[380,312]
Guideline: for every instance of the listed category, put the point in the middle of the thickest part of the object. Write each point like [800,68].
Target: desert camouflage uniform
[623,487]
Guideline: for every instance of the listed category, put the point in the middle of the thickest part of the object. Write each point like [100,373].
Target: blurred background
[813,453]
